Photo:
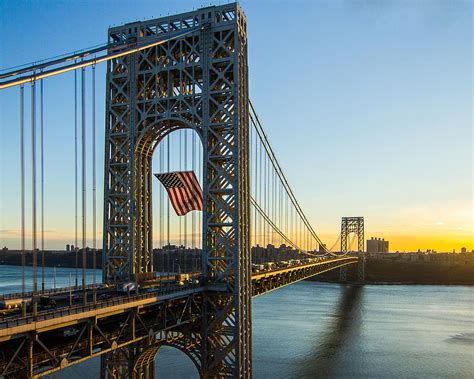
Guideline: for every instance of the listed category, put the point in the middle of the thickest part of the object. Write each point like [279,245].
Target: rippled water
[318,330]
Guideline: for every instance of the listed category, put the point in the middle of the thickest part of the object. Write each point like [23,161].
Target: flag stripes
[183,189]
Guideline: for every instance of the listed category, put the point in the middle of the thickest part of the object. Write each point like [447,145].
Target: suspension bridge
[177,90]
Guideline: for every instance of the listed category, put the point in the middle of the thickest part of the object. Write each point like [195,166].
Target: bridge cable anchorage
[257,124]
[132,48]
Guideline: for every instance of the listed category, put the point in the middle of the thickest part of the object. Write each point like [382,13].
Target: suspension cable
[76,263]
[84,172]
[168,203]
[42,182]
[22,185]
[193,165]
[275,227]
[271,155]
[84,63]
[33,181]
[94,190]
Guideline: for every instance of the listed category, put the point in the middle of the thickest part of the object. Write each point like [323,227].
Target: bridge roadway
[34,346]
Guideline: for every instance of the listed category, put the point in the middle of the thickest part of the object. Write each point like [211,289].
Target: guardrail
[50,291]
[75,309]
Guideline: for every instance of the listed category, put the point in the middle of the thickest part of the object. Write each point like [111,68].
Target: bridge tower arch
[197,79]
[353,225]
[143,365]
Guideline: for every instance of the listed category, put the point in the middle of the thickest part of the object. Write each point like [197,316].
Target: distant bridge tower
[197,80]
[353,225]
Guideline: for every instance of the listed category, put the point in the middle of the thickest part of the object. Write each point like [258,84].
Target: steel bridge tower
[353,225]
[197,80]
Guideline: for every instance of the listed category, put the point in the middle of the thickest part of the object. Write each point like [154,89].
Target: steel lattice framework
[127,330]
[197,81]
[353,225]
[183,71]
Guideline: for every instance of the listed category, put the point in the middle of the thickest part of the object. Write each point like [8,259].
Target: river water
[320,330]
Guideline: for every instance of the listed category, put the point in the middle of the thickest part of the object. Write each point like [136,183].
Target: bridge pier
[361,267]
[343,274]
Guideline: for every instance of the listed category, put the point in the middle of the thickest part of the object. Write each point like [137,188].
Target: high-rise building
[377,245]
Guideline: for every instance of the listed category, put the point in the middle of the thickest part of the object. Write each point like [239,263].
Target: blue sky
[368,105]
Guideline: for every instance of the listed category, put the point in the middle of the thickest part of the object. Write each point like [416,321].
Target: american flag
[183,189]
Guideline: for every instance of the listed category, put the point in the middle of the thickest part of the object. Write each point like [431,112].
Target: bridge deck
[68,335]
[262,282]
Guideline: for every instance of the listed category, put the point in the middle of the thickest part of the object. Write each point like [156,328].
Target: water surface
[319,330]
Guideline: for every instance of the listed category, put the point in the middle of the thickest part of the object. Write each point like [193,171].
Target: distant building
[377,245]
[68,247]
[463,250]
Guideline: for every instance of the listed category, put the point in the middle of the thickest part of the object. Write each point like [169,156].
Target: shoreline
[312,279]
[323,278]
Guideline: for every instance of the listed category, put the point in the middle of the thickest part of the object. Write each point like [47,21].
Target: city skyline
[381,133]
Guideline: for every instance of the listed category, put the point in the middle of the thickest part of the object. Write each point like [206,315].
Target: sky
[368,105]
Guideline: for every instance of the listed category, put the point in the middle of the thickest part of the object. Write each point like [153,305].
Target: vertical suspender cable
[250,187]
[185,168]
[42,182]
[83,122]
[199,167]
[252,194]
[260,192]
[180,150]
[33,181]
[280,224]
[22,169]
[168,203]
[94,189]
[274,205]
[255,188]
[193,164]
[265,187]
[75,178]
[161,197]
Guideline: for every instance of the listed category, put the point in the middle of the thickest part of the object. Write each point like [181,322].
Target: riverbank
[394,272]
[378,271]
